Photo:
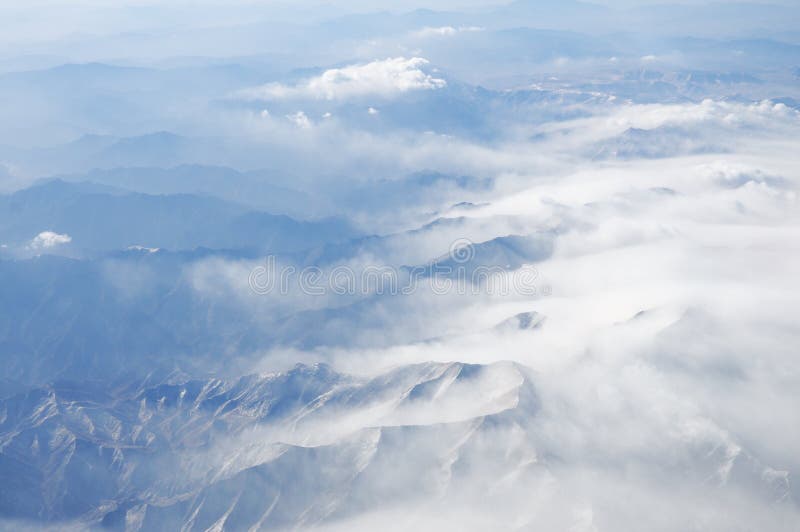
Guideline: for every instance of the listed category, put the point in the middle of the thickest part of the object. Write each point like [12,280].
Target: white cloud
[300,119]
[387,78]
[48,239]
[444,31]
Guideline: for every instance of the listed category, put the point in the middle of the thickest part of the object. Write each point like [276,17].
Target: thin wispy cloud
[444,31]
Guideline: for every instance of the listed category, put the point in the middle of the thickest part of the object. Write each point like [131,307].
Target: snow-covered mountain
[306,447]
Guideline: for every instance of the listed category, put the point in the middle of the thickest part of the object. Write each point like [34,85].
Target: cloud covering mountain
[497,266]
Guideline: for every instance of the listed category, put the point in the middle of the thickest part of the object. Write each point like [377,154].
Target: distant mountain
[525,321]
[656,143]
[136,310]
[77,98]
[252,189]
[65,318]
[714,19]
[98,217]
[501,254]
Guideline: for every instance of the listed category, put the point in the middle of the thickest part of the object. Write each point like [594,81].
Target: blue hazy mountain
[98,218]
[252,189]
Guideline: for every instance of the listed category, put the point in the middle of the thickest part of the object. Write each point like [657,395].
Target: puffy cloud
[300,119]
[386,78]
[48,239]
